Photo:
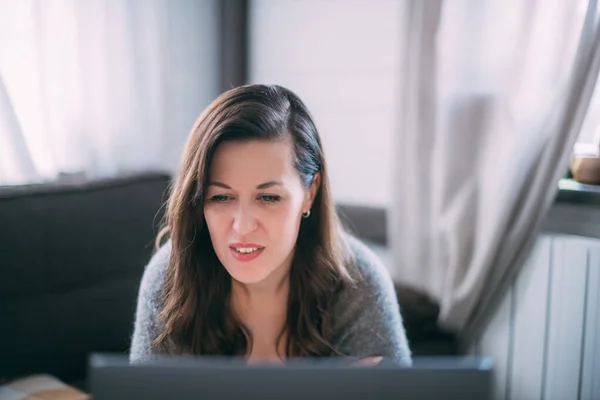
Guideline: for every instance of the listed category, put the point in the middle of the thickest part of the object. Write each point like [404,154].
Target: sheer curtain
[493,97]
[101,86]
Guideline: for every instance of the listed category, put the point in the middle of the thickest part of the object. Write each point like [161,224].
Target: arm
[368,320]
[146,328]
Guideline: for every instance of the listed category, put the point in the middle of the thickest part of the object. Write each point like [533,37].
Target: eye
[270,198]
[219,198]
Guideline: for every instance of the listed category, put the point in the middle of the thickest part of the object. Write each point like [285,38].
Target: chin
[248,279]
[247,274]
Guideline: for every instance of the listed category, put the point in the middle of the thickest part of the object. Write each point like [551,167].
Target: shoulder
[146,326]
[366,314]
[155,274]
[372,277]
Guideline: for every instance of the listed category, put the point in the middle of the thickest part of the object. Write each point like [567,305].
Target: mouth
[246,252]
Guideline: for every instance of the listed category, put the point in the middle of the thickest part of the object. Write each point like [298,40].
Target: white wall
[342,58]
[545,335]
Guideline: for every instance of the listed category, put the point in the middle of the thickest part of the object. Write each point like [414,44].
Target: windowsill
[576,210]
[570,191]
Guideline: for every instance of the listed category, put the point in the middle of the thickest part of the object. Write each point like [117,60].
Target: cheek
[282,225]
[217,223]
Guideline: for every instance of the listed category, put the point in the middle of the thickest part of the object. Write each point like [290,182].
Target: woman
[257,264]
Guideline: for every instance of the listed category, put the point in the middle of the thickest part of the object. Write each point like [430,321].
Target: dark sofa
[71,257]
[72,254]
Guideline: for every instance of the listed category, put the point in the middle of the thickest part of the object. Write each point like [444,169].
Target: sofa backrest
[71,258]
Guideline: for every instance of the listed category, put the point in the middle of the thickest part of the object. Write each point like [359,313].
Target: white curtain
[101,86]
[493,97]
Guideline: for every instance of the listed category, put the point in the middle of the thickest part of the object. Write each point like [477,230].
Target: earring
[306,214]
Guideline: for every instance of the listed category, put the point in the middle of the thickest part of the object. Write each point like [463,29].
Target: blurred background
[462,137]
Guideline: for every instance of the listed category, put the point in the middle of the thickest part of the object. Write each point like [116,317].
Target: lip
[246,256]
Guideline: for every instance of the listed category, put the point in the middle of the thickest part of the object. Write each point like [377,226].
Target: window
[589,137]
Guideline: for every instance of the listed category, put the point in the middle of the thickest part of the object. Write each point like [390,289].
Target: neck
[262,305]
[262,290]
[262,309]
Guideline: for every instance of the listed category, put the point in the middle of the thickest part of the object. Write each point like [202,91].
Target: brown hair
[196,313]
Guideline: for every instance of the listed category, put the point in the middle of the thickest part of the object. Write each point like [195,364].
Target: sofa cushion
[72,257]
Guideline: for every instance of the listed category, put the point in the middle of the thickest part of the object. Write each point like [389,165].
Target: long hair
[196,314]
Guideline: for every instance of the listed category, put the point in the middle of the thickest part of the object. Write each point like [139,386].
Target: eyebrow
[265,185]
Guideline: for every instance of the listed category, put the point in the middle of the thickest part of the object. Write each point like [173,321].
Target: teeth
[246,249]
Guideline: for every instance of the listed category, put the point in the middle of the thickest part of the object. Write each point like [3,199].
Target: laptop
[113,378]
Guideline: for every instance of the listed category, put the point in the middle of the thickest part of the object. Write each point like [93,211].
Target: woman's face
[253,208]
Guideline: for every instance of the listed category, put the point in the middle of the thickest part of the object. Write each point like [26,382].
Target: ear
[313,190]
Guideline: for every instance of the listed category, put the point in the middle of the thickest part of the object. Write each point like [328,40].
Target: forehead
[252,161]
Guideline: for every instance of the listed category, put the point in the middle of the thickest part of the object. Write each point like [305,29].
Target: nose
[244,220]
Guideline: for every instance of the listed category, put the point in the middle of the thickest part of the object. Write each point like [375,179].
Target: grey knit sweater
[367,320]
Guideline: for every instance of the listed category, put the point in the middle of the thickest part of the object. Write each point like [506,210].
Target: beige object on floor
[40,387]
